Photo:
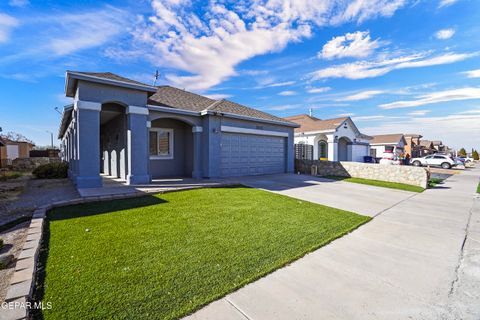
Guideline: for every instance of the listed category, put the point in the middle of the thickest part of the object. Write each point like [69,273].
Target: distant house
[394,143]
[12,150]
[412,148]
[426,147]
[332,139]
[438,145]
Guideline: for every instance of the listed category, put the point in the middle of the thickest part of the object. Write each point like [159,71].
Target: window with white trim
[161,143]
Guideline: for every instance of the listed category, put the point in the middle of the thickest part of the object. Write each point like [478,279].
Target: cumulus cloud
[208,46]
[357,44]
[472,73]
[444,34]
[364,95]
[369,69]
[7,23]
[471,93]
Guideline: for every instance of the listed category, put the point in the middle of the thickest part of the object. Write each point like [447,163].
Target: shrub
[475,155]
[1,243]
[9,175]
[54,170]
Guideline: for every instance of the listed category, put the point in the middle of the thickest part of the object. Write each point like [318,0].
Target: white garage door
[248,154]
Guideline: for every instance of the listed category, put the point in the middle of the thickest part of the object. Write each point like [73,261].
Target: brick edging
[21,287]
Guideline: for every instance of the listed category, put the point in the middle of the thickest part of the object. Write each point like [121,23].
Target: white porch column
[332,148]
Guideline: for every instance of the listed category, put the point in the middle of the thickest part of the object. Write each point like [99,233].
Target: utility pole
[51,137]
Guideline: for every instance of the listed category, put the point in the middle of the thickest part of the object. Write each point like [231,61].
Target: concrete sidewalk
[417,260]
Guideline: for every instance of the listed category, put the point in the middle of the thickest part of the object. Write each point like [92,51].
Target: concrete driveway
[359,198]
[419,259]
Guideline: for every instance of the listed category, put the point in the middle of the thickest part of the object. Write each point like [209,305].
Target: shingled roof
[175,98]
[308,123]
[387,138]
[110,76]
[172,97]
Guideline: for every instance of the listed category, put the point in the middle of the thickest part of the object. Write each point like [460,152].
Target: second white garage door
[248,154]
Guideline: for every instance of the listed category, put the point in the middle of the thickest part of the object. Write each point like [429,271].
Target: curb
[22,284]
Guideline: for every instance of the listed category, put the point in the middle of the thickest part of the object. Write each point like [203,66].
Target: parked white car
[467,159]
[440,160]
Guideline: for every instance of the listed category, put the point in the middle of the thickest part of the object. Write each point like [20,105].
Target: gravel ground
[36,192]
[13,239]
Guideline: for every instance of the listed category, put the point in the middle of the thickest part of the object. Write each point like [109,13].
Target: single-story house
[126,129]
[394,143]
[11,150]
[332,139]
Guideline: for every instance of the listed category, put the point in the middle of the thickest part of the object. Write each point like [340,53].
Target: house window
[322,149]
[161,143]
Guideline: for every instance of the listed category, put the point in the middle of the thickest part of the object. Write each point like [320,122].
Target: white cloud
[472,73]
[288,93]
[348,114]
[318,90]
[445,34]
[79,31]
[446,3]
[19,3]
[210,46]
[369,118]
[436,97]
[357,45]
[275,84]
[361,95]
[7,23]
[455,130]
[419,113]
[381,66]
[218,96]
[284,107]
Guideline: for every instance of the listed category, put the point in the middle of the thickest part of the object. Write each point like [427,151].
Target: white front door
[12,151]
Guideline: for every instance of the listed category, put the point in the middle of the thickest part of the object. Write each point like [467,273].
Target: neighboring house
[438,145]
[126,129]
[426,148]
[412,147]
[394,143]
[12,150]
[332,139]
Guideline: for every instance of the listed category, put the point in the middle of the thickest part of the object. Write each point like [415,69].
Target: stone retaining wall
[416,176]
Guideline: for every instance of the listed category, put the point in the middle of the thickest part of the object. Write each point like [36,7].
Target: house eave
[72,78]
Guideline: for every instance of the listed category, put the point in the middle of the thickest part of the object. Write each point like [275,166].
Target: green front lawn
[378,183]
[164,256]
[478,188]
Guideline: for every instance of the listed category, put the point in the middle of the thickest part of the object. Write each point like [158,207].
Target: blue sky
[394,66]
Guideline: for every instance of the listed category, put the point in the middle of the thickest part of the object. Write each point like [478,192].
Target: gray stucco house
[125,129]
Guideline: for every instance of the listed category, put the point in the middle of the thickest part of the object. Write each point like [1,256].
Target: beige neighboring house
[427,147]
[12,150]
[394,143]
[412,148]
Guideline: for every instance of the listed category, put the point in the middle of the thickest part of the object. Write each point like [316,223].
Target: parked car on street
[466,159]
[440,160]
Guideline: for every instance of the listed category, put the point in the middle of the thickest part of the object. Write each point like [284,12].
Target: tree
[475,155]
[462,152]
[17,137]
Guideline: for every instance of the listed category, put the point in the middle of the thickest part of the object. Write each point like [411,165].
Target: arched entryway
[344,149]
[171,148]
[113,140]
